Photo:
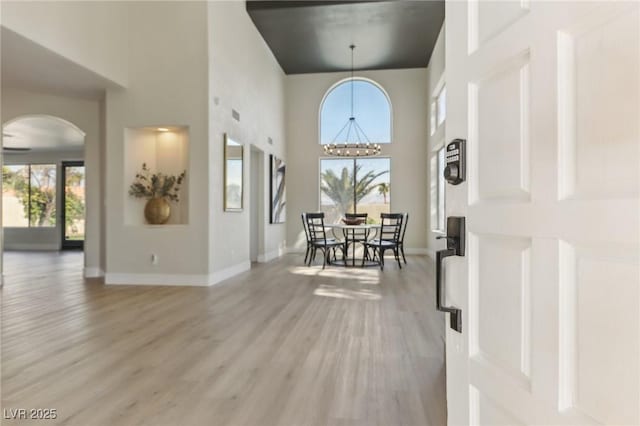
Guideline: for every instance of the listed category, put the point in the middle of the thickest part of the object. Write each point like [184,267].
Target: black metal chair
[389,238]
[357,235]
[405,221]
[318,239]
[307,236]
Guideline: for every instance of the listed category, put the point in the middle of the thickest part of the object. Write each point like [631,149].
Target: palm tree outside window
[355,185]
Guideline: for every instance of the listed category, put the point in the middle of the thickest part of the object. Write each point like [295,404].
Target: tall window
[353,185]
[441,102]
[371,108]
[29,195]
[438,108]
[437,191]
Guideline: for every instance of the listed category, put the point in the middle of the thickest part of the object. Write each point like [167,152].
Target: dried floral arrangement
[156,185]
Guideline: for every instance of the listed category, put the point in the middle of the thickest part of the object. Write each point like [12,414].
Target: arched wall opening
[44,184]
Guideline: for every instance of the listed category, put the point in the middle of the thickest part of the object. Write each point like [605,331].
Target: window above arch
[371,109]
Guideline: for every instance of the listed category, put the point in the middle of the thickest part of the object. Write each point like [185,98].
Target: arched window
[355,185]
[371,109]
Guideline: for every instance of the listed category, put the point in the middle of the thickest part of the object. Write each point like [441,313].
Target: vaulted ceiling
[314,36]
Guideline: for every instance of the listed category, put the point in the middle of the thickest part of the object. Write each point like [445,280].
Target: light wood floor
[282,344]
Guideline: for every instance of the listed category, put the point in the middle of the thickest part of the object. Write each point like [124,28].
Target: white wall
[85,114]
[435,75]
[407,90]
[167,86]
[92,33]
[44,238]
[244,76]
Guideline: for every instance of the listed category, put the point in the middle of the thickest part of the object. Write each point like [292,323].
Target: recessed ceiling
[42,133]
[314,36]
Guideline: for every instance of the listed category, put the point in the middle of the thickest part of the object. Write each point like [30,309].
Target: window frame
[346,80]
[28,165]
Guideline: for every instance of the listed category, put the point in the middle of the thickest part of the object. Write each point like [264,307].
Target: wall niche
[163,149]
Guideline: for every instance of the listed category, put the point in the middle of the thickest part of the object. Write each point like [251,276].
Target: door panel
[601,344]
[501,100]
[547,95]
[501,335]
[599,126]
[485,411]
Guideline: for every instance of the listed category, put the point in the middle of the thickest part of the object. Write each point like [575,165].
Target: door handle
[455,314]
[455,247]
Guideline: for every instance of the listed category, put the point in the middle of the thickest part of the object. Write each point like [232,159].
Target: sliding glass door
[73,201]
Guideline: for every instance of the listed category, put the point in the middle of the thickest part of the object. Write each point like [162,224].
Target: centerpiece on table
[158,189]
[352,220]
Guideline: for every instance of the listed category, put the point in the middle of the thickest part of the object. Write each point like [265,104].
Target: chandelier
[360,146]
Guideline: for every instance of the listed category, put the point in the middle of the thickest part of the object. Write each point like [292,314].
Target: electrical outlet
[154,259]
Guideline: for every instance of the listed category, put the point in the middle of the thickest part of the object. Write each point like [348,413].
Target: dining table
[349,233]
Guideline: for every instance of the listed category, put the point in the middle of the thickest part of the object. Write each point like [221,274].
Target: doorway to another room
[256,204]
[43,192]
[73,202]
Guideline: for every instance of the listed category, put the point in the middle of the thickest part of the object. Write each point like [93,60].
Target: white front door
[547,96]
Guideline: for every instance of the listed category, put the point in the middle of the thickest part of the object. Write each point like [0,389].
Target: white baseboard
[431,253]
[31,246]
[229,272]
[157,279]
[187,280]
[93,272]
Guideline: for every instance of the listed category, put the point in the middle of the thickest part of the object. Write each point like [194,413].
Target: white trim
[439,85]
[93,272]
[229,272]
[157,279]
[431,253]
[31,246]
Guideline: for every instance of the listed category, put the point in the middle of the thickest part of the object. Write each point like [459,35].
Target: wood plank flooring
[282,344]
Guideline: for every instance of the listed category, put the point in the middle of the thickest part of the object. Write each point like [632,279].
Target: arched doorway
[43,200]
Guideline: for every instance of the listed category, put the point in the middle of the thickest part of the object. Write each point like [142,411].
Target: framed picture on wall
[277,190]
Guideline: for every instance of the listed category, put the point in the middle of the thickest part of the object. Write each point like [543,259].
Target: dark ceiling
[314,36]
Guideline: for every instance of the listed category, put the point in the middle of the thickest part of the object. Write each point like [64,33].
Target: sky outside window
[371,110]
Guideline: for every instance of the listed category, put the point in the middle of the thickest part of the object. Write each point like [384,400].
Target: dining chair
[357,235]
[318,239]
[307,236]
[389,238]
[405,221]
